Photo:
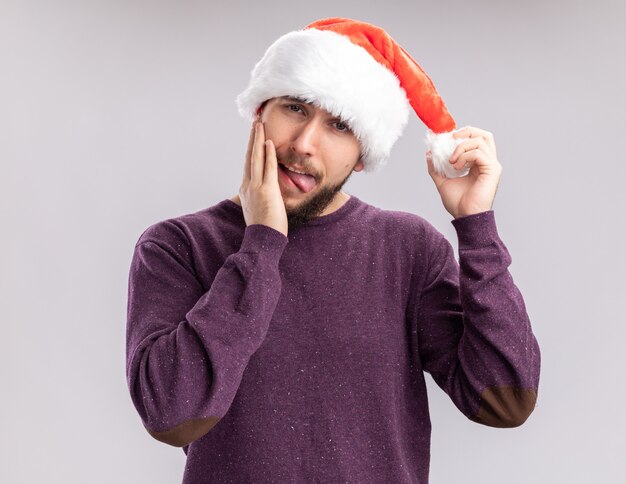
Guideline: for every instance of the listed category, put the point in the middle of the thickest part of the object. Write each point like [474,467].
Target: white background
[117,114]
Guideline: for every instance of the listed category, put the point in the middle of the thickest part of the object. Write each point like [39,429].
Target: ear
[259,111]
[359,165]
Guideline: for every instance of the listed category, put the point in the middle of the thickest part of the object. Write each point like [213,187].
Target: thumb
[437,178]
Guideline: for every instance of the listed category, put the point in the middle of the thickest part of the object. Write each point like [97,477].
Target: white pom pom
[442,146]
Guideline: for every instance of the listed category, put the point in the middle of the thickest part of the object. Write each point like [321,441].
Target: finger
[246,165]
[258,156]
[470,158]
[469,145]
[473,132]
[271,163]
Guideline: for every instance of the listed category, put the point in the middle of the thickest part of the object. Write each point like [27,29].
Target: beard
[314,206]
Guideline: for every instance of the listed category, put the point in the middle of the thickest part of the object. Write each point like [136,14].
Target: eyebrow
[302,101]
[295,99]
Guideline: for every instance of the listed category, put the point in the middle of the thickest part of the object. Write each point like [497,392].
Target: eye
[346,128]
[296,106]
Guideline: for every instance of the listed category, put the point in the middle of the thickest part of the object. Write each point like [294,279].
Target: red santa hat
[357,72]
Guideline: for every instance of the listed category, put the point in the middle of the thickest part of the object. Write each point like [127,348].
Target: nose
[306,138]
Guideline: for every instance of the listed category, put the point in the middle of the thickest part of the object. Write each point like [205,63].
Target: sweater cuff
[263,238]
[476,230]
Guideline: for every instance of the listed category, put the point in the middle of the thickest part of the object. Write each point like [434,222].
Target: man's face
[311,140]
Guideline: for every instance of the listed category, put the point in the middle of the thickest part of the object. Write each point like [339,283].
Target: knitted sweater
[301,359]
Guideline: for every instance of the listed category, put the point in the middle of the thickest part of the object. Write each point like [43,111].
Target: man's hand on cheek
[260,196]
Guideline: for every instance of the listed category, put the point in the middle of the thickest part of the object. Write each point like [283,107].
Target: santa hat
[357,72]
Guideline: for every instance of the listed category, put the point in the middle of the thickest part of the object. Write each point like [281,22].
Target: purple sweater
[301,359]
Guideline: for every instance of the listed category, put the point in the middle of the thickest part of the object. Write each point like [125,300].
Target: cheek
[269,133]
[274,133]
[349,153]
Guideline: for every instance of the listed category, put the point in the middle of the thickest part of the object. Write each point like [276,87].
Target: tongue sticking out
[306,183]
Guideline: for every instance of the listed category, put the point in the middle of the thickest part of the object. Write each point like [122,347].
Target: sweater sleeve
[186,349]
[474,334]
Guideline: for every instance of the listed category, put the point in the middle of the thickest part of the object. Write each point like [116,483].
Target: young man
[282,335]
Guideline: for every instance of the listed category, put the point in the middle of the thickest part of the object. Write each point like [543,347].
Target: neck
[337,203]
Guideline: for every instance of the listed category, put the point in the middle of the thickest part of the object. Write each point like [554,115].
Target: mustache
[292,159]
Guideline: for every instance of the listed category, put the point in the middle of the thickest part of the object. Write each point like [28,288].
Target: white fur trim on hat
[328,70]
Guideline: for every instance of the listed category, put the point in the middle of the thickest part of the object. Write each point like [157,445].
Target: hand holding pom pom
[473,153]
